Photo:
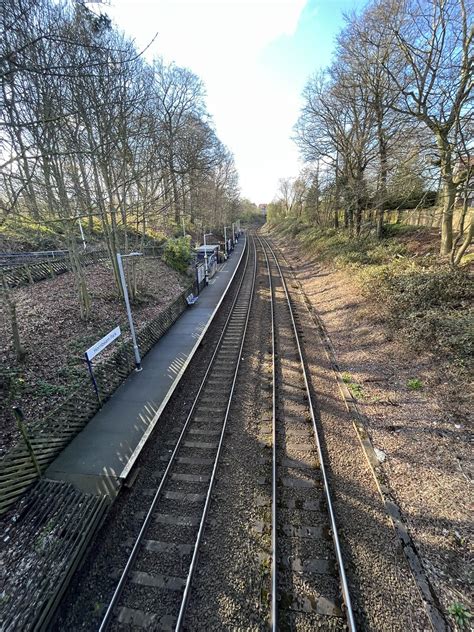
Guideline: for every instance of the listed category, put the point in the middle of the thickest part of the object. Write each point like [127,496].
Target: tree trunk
[449,196]
[358,219]
[382,192]
[466,243]
[19,351]
[448,193]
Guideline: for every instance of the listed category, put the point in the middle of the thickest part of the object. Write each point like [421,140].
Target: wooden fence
[24,463]
[430,217]
[32,272]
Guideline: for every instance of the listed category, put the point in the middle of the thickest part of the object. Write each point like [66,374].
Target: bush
[428,307]
[177,253]
[423,301]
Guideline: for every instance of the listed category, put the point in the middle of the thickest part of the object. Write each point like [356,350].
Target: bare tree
[433,75]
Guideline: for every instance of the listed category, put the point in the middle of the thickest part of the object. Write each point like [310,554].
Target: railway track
[307,569]
[154,587]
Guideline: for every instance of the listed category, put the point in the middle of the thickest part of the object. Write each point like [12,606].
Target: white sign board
[201,273]
[100,346]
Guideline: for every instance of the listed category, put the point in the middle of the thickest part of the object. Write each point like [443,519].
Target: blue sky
[254,57]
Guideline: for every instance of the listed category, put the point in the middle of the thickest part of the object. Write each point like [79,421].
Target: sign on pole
[103,343]
[94,350]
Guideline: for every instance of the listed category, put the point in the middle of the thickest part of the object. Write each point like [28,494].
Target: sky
[254,57]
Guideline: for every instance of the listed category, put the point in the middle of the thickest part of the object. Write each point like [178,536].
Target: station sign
[103,343]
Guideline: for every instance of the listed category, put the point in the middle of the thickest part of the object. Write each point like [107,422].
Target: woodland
[388,126]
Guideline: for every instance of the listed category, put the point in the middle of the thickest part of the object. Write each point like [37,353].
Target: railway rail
[154,586]
[307,570]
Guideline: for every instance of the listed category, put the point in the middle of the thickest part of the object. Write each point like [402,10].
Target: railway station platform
[100,458]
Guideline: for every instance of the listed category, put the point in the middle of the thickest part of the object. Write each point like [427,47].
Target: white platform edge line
[126,470]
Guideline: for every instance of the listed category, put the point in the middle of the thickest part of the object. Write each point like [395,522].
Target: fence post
[28,274]
[21,427]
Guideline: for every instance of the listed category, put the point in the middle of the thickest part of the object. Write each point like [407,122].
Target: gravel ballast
[384,593]
[231,587]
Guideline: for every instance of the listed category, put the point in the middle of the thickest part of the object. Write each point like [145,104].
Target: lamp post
[136,351]
[206,269]
[233,233]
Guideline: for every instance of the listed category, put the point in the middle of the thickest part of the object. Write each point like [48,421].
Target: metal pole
[94,381]
[138,362]
[233,232]
[206,271]
[225,240]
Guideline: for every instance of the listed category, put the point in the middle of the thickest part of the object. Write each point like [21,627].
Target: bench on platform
[191,299]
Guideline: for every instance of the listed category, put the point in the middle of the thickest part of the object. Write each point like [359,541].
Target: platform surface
[101,456]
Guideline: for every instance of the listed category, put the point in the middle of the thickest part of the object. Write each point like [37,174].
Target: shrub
[428,307]
[177,253]
[424,301]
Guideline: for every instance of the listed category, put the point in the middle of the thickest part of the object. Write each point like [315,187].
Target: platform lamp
[205,257]
[136,350]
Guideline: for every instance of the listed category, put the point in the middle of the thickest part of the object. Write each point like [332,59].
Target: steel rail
[192,566]
[146,522]
[335,536]
[274,602]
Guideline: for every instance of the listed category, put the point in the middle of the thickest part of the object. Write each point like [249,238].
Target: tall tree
[433,75]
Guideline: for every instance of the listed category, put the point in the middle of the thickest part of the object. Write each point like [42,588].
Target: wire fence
[28,273]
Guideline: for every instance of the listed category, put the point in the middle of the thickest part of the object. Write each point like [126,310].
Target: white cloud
[220,40]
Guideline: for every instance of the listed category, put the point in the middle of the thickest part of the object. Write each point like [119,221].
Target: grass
[460,614]
[48,389]
[21,232]
[42,541]
[355,388]
[414,384]
[33,235]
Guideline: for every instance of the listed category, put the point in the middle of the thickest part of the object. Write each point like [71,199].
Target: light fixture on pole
[136,351]
[206,269]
